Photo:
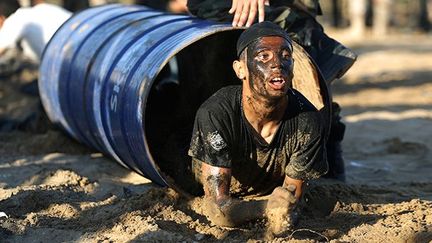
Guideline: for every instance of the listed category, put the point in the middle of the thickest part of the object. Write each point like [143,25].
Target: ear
[240,69]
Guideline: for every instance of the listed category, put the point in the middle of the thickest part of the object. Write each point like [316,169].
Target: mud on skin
[261,68]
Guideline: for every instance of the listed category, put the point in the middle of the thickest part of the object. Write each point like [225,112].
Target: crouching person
[261,137]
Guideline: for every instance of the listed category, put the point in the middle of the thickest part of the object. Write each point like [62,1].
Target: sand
[52,189]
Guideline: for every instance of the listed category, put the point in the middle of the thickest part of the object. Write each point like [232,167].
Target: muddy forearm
[220,207]
[232,212]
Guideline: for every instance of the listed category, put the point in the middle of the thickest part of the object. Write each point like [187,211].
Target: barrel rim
[217,28]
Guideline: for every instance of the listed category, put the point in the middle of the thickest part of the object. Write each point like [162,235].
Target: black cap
[258,30]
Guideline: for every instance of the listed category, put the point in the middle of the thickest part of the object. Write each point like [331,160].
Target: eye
[286,54]
[264,56]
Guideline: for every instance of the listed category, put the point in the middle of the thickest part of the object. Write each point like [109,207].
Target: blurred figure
[381,14]
[75,5]
[375,13]
[336,13]
[381,17]
[29,28]
[177,6]
[159,5]
[424,22]
[173,6]
[357,10]
[97,2]
[429,10]
[78,5]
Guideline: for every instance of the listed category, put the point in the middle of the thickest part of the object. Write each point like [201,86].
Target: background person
[173,6]
[29,28]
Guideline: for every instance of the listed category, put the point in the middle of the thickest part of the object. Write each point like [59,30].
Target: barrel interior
[203,68]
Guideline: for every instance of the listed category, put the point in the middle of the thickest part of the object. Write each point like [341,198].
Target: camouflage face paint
[270,65]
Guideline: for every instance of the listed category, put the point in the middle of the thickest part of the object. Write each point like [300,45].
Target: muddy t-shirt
[223,137]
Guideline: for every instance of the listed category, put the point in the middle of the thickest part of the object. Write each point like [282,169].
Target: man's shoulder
[304,109]
[225,99]
[229,92]
[221,110]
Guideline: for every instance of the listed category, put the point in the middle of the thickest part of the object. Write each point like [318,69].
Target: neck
[261,111]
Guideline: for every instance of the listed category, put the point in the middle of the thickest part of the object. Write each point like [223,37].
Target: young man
[259,137]
[297,18]
[31,28]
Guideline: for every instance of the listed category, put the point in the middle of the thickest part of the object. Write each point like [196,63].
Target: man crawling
[257,138]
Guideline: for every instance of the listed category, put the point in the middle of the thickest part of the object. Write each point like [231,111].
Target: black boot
[331,57]
[334,148]
[334,59]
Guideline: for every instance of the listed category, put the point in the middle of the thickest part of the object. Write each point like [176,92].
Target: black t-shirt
[223,137]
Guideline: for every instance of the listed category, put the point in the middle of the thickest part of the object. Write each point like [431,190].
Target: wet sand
[54,189]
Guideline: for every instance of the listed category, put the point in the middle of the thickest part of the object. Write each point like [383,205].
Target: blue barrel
[127,81]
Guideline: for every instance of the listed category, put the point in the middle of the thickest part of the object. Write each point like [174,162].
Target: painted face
[270,66]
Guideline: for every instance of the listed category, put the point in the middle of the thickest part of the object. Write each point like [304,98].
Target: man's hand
[245,11]
[279,208]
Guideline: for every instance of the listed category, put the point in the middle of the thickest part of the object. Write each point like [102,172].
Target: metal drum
[127,81]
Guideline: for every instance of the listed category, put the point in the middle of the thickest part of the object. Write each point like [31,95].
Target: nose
[276,62]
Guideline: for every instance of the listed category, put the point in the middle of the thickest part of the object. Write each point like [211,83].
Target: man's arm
[223,210]
[220,207]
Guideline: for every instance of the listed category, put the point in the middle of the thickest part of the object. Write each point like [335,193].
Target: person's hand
[282,197]
[279,208]
[245,11]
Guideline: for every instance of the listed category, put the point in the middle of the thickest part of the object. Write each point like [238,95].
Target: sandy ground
[54,189]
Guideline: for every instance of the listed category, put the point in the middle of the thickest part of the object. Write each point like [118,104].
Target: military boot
[332,58]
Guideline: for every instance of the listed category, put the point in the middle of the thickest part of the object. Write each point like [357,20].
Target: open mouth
[277,83]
